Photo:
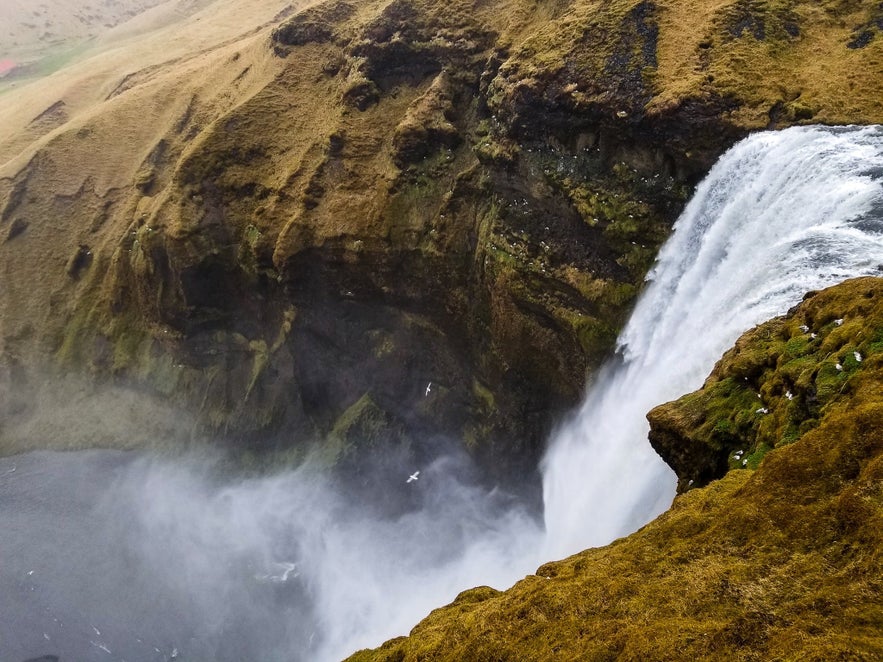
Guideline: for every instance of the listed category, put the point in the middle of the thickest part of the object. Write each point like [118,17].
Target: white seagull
[413,477]
[428,388]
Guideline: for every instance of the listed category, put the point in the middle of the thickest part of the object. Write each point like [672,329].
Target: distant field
[38,37]
[29,27]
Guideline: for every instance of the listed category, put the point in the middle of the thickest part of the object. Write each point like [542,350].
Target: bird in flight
[413,477]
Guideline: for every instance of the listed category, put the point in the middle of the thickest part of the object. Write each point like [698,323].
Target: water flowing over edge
[780,214]
[282,568]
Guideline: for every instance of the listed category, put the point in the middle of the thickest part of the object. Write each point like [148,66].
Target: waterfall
[780,214]
[149,557]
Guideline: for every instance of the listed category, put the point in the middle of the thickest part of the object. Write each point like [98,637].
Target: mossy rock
[775,384]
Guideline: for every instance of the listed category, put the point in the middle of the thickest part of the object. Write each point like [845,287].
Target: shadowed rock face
[441,209]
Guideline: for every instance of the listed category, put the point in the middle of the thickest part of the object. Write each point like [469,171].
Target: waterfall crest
[780,214]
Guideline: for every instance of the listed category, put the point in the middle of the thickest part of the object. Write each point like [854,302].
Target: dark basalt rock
[696,461]
[861,39]
[318,24]
[865,34]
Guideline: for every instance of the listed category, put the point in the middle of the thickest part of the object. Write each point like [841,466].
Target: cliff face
[377,222]
[780,558]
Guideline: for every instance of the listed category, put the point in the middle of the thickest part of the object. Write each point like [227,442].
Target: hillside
[777,558]
[380,222]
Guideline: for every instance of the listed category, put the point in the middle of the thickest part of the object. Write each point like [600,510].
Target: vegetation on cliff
[298,207]
[778,382]
[780,558]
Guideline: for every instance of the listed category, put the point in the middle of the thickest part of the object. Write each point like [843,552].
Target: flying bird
[413,477]
[428,388]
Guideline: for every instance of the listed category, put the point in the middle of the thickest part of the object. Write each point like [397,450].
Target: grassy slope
[781,562]
[803,61]
[30,28]
[503,169]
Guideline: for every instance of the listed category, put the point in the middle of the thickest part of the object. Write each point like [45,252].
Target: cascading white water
[780,214]
[151,558]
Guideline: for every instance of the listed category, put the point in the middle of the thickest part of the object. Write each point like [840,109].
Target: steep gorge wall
[382,223]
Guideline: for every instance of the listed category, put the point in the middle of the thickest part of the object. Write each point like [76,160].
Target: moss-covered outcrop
[778,559]
[347,198]
[777,383]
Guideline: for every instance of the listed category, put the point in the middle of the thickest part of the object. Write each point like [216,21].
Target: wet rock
[861,39]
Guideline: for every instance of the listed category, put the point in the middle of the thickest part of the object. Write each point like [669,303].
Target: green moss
[72,348]
[727,411]
[752,461]
[131,350]
[776,383]
[362,425]
[483,395]
[829,381]
[596,337]
[796,347]
[791,434]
